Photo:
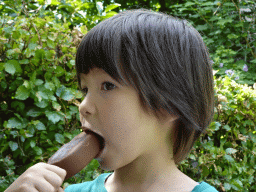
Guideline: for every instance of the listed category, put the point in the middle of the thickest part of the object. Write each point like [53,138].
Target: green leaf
[41,95]
[217,126]
[223,21]
[202,27]
[227,186]
[42,104]
[110,7]
[39,82]
[49,85]
[50,43]
[229,158]
[232,36]
[56,106]
[59,138]
[18,105]
[64,93]
[59,71]
[14,134]
[39,125]
[53,116]
[32,144]
[238,183]
[22,93]
[231,151]
[55,2]
[13,145]
[12,66]
[33,113]
[3,85]
[68,135]
[14,123]
[38,150]
[227,127]
[24,61]
[205,171]
[32,46]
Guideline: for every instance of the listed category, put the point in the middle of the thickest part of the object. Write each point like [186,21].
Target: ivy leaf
[39,82]
[229,158]
[59,138]
[38,150]
[56,106]
[49,85]
[32,144]
[39,125]
[53,116]
[32,46]
[13,123]
[59,71]
[110,7]
[231,151]
[22,93]
[13,145]
[42,104]
[14,133]
[64,93]
[33,113]
[227,186]
[24,61]
[12,66]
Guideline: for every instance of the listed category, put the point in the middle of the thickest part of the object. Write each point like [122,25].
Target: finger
[53,178]
[44,186]
[59,171]
[61,190]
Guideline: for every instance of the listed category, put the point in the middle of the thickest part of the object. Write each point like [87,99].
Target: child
[148,91]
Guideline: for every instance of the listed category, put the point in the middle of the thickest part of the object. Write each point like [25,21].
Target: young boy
[148,91]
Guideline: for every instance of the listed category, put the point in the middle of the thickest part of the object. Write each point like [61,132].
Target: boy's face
[115,112]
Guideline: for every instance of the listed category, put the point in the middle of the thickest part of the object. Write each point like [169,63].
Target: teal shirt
[97,185]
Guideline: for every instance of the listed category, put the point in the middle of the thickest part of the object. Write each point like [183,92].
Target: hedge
[39,113]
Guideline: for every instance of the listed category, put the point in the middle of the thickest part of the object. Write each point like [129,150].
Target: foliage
[39,96]
[73,13]
[38,92]
[38,86]
[226,155]
[228,29]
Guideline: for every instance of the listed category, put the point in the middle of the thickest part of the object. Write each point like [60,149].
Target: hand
[41,177]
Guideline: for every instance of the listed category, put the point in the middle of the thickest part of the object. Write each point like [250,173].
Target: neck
[155,168]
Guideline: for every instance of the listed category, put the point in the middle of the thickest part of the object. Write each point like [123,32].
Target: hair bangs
[98,50]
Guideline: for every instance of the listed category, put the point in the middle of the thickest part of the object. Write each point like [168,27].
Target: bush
[39,93]
[225,155]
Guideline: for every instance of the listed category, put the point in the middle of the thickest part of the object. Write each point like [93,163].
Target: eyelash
[84,90]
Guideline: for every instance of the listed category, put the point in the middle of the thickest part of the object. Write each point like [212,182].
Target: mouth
[100,138]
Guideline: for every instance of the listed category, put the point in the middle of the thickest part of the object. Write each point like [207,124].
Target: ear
[166,117]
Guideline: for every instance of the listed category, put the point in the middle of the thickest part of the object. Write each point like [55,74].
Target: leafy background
[39,93]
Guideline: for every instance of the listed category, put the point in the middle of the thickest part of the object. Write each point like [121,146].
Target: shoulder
[204,187]
[89,186]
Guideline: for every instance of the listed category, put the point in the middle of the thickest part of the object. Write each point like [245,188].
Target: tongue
[76,154]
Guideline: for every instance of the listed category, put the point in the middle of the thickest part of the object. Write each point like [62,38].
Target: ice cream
[75,155]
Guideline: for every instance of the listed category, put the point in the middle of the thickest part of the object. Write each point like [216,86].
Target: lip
[100,138]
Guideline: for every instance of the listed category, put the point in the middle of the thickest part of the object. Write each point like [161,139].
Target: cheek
[121,113]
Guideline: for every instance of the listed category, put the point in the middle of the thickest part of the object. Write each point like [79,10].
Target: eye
[107,86]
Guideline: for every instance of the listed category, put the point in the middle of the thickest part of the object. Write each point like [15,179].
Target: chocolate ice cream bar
[75,155]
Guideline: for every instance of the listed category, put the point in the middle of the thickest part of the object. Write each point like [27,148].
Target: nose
[87,106]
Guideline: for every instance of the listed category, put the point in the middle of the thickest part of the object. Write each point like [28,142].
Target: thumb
[60,190]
